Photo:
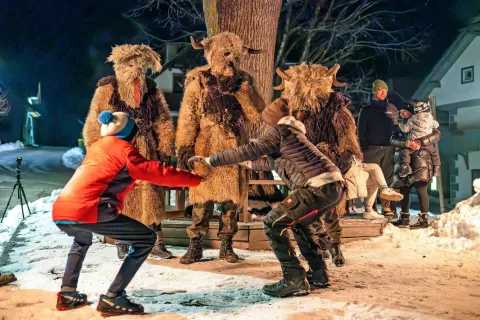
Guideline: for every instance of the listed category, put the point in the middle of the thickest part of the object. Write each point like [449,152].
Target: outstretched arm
[152,171]
[188,123]
[255,149]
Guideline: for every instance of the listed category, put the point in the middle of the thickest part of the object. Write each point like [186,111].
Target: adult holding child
[421,164]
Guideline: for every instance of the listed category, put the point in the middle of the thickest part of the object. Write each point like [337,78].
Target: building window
[178,82]
[467,75]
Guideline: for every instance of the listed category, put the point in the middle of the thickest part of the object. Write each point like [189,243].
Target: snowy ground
[404,274]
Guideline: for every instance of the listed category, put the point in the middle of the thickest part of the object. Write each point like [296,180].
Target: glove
[202,160]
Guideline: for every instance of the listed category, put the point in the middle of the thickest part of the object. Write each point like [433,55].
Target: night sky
[64,44]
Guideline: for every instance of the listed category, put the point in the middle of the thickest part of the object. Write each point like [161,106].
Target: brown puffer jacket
[296,160]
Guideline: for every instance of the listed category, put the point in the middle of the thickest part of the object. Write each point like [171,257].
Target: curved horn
[281,86]
[250,50]
[282,74]
[196,45]
[333,72]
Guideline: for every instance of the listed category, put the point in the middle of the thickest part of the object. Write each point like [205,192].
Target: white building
[455,84]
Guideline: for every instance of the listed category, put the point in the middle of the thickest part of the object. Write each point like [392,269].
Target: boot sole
[296,293]
[113,314]
[392,197]
[188,262]
[66,308]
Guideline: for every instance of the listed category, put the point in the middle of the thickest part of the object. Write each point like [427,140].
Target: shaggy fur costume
[328,120]
[219,100]
[131,92]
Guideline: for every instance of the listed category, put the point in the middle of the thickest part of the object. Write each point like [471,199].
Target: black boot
[405,170]
[70,300]
[422,222]
[403,222]
[226,251]
[287,287]
[6,279]
[337,255]
[122,249]
[318,278]
[194,252]
[119,305]
[159,249]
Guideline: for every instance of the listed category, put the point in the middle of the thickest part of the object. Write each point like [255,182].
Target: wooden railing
[245,216]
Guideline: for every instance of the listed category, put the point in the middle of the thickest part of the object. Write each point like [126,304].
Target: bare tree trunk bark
[256,23]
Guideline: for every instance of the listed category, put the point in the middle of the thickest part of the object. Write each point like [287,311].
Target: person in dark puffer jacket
[92,201]
[317,187]
[422,167]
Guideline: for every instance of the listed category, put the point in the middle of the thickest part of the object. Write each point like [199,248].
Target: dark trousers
[422,192]
[385,158]
[140,238]
[406,153]
[303,207]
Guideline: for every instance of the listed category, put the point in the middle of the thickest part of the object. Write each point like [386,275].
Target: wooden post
[432,102]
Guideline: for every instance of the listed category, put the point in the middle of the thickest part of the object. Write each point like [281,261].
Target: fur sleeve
[163,127]
[344,124]
[100,102]
[251,101]
[188,122]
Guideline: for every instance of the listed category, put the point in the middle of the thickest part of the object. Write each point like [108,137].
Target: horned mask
[223,53]
[131,63]
[307,86]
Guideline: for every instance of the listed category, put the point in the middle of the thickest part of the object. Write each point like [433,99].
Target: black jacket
[296,160]
[421,161]
[374,126]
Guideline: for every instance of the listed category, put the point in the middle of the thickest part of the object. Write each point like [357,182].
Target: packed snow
[73,158]
[14,216]
[10,146]
[39,264]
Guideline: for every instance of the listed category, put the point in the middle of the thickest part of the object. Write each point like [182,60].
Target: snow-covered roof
[456,49]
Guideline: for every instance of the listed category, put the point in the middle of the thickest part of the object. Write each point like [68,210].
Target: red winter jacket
[98,188]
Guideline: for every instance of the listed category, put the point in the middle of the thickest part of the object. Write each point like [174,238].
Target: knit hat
[378,84]
[418,106]
[117,124]
[275,111]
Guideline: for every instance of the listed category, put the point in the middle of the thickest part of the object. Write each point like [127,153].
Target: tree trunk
[255,22]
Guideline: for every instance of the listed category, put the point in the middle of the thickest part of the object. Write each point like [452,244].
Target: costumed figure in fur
[219,100]
[132,92]
[329,125]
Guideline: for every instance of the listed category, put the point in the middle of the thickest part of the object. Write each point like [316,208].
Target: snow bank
[11,146]
[456,230]
[73,158]
[13,217]
[461,222]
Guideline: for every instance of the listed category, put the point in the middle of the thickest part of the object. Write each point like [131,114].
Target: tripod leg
[21,201]
[26,201]
[8,203]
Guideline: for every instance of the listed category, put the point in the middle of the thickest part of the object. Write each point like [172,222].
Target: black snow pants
[303,207]
[140,238]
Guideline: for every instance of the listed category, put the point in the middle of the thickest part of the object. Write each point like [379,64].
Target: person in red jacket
[92,200]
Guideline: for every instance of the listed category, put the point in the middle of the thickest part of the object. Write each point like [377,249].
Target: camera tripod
[21,193]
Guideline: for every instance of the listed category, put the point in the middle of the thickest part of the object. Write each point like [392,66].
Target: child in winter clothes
[92,200]
[419,125]
[317,187]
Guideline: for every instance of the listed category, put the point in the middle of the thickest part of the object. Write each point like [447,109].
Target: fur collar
[292,122]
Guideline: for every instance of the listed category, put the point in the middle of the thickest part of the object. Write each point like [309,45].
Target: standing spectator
[374,131]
